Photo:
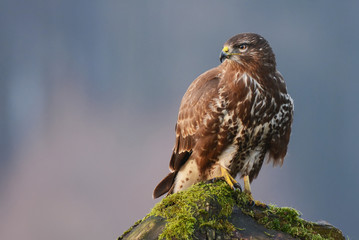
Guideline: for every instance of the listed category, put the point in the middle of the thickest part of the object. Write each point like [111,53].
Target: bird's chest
[248,146]
[251,145]
[250,126]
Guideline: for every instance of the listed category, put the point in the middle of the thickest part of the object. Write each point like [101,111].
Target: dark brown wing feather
[165,185]
[194,105]
[279,143]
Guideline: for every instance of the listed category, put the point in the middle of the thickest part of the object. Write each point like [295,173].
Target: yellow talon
[229,179]
[247,190]
[247,185]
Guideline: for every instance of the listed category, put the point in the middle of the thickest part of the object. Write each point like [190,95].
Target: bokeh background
[89,94]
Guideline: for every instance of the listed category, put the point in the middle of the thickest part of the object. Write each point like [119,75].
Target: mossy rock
[215,211]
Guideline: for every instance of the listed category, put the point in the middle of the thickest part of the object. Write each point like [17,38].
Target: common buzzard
[231,119]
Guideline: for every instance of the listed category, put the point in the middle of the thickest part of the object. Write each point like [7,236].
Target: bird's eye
[243,47]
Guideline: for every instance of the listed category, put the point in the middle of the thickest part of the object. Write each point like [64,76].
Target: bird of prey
[231,119]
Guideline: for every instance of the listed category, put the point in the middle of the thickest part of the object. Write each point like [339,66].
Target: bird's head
[249,50]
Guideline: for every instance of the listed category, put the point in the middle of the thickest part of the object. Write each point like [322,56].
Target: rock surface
[214,211]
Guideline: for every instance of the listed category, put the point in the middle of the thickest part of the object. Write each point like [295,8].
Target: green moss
[288,220]
[187,210]
[207,207]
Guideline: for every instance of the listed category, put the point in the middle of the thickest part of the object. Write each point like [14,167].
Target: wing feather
[279,142]
[194,106]
[200,127]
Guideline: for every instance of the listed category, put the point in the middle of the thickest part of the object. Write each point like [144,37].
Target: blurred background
[89,94]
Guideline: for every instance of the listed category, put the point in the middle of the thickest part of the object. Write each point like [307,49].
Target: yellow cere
[225,49]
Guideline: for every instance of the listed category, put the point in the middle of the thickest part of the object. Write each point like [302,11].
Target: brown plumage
[233,116]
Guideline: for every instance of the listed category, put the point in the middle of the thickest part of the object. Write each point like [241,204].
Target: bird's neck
[260,74]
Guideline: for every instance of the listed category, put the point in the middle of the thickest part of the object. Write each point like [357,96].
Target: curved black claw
[251,203]
[213,180]
[237,186]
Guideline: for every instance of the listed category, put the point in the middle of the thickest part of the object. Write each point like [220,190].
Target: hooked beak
[224,54]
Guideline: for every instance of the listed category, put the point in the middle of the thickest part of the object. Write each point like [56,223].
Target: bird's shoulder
[203,87]
[196,101]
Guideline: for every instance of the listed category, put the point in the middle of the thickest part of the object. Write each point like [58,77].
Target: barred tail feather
[166,185]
